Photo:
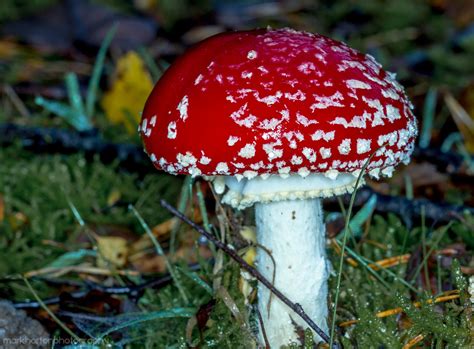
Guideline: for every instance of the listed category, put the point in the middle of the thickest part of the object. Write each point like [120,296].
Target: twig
[133,291]
[446,162]
[132,157]
[46,140]
[262,326]
[407,209]
[297,308]
[16,101]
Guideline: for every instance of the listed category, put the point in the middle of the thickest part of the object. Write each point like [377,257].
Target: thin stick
[133,291]
[264,333]
[16,101]
[297,308]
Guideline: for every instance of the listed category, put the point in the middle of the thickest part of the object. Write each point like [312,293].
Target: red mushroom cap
[276,101]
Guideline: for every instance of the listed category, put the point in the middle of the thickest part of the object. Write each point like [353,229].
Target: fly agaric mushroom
[279,119]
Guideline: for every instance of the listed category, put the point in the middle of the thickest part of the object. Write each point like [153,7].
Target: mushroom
[279,119]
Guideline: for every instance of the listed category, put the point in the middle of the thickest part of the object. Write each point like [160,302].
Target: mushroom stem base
[294,233]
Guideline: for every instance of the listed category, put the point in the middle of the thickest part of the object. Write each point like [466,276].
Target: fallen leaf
[112,250]
[149,263]
[124,102]
[250,255]
[160,231]
[463,120]
[225,296]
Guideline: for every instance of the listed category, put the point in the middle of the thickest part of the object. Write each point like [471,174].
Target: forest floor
[88,251]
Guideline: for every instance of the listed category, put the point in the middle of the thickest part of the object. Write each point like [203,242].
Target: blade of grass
[205,218]
[424,263]
[202,207]
[71,258]
[50,313]
[97,70]
[63,110]
[366,263]
[408,187]
[344,243]
[76,213]
[195,277]
[182,204]
[428,117]
[74,93]
[160,252]
[362,261]
[155,71]
[162,314]
[430,251]
[450,140]
[438,274]
[355,224]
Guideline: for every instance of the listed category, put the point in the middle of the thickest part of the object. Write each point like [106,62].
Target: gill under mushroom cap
[276,102]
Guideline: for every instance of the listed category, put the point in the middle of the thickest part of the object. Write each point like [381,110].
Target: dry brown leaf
[160,231]
[463,120]
[150,263]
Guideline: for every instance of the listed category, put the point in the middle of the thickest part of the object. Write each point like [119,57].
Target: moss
[40,189]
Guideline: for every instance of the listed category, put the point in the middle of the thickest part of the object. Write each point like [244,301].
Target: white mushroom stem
[290,227]
[293,232]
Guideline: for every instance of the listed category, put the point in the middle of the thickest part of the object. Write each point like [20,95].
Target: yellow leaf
[250,255]
[112,250]
[124,102]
